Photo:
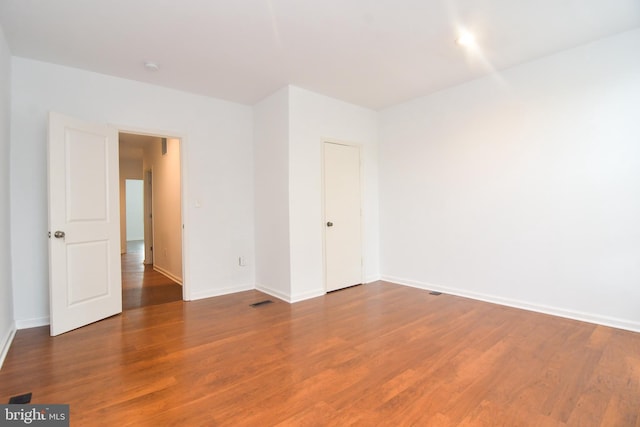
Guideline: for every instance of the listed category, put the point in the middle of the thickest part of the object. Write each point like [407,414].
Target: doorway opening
[151,247]
[134,210]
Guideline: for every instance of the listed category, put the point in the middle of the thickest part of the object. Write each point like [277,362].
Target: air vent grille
[259,303]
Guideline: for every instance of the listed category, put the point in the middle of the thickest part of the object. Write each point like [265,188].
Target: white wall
[313,119]
[134,200]
[217,159]
[290,128]
[525,190]
[271,159]
[167,221]
[147,167]
[130,168]
[7,327]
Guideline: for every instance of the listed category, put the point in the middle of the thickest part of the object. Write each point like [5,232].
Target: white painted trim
[167,274]
[554,311]
[370,279]
[32,323]
[267,290]
[307,295]
[148,132]
[290,298]
[219,292]
[5,344]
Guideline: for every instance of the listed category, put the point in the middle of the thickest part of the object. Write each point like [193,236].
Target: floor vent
[259,303]
[20,400]
[436,293]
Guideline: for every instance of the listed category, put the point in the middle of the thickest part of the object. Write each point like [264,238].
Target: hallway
[141,285]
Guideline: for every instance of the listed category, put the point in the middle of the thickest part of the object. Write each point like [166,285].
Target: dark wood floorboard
[141,284]
[378,354]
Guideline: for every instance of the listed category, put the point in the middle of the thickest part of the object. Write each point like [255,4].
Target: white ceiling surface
[373,53]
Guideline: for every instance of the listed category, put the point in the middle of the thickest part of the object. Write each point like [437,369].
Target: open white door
[84,246]
[343,218]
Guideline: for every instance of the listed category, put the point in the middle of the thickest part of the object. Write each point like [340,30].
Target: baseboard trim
[371,279]
[307,295]
[523,305]
[6,343]
[218,292]
[267,290]
[291,299]
[167,274]
[32,323]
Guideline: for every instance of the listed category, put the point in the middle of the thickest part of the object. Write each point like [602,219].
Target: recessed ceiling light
[465,38]
[151,66]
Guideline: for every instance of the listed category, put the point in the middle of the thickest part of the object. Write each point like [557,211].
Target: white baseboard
[308,295]
[274,293]
[166,273]
[290,298]
[554,311]
[370,279]
[32,323]
[218,292]
[5,343]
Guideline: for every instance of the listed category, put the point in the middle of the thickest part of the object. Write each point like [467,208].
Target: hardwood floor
[141,285]
[379,354]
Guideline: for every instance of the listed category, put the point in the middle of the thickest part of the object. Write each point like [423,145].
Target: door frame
[186,289]
[323,205]
[148,216]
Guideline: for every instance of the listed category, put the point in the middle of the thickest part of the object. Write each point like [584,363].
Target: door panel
[343,219]
[85,284]
[84,261]
[87,179]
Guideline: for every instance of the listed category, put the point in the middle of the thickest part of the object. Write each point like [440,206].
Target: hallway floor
[141,285]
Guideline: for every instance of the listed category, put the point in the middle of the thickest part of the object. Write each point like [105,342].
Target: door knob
[59,234]
[329,224]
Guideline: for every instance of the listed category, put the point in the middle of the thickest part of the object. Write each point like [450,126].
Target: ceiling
[374,53]
[132,145]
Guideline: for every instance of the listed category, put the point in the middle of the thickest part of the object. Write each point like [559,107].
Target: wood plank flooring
[141,285]
[378,354]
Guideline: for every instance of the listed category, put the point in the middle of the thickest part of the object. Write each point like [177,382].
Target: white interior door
[84,246]
[343,216]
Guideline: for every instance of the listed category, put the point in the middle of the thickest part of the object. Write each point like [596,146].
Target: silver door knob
[59,234]
[329,224]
